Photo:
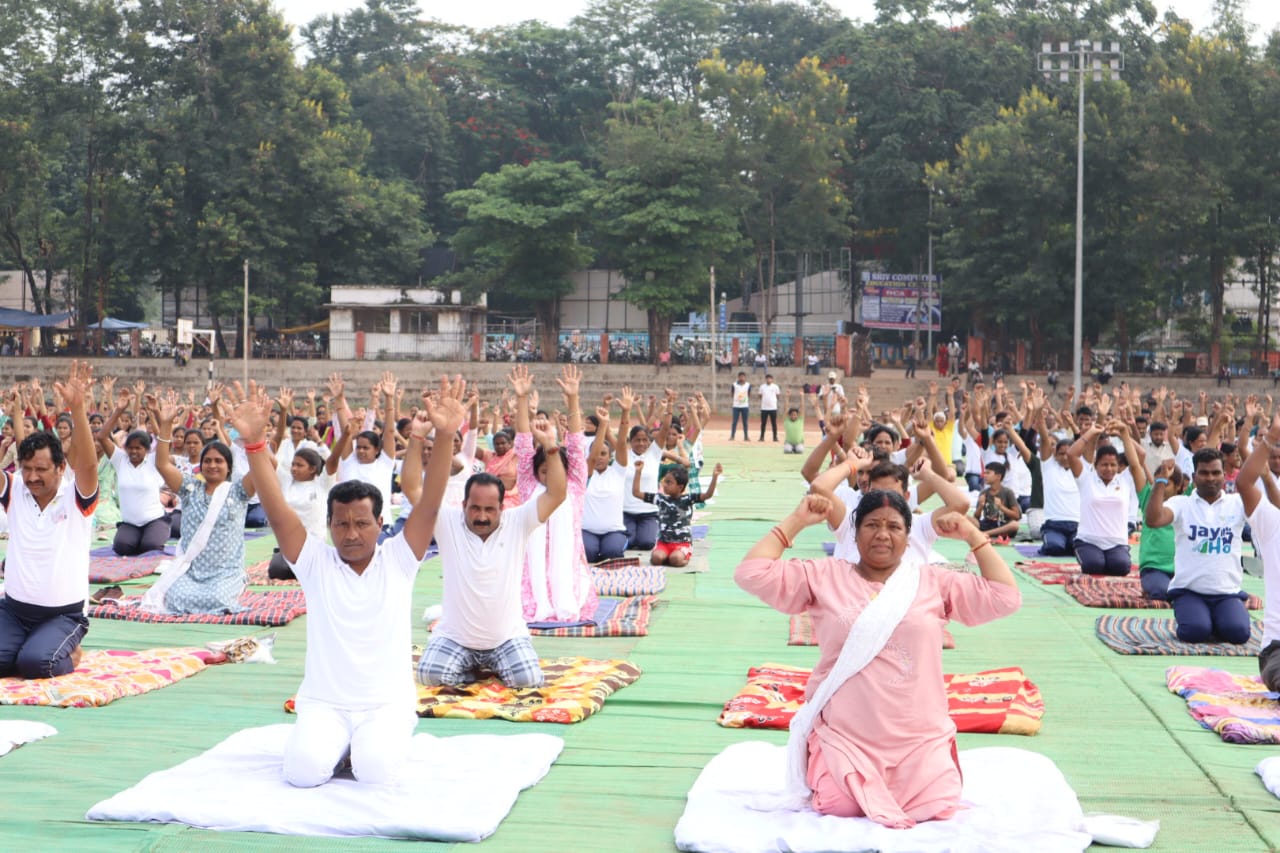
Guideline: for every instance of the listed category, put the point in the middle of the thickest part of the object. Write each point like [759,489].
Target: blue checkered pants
[446,662]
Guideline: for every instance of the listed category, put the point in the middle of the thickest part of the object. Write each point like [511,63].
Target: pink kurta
[581,600]
[885,737]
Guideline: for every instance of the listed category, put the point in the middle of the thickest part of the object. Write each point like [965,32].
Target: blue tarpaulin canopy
[15,319]
[111,324]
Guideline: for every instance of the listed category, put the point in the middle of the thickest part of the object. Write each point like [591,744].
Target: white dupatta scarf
[552,580]
[153,598]
[870,631]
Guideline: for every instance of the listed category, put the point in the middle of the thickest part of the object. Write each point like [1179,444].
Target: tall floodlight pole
[711,318]
[1104,62]
[244,335]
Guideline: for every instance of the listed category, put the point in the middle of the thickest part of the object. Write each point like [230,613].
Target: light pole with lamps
[1104,62]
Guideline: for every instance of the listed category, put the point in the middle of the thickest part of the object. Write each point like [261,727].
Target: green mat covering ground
[1125,743]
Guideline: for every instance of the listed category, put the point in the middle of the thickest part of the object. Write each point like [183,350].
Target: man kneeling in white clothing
[357,697]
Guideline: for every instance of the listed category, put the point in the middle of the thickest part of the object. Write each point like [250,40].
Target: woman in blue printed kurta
[216,578]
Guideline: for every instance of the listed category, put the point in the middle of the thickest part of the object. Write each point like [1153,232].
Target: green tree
[668,208]
[787,138]
[519,238]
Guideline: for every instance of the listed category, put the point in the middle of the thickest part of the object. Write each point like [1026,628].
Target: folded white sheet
[1018,802]
[17,732]
[455,789]
[1269,770]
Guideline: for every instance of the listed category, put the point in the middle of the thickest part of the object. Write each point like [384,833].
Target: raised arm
[444,412]
[1157,514]
[338,408]
[1133,454]
[250,418]
[82,458]
[569,380]
[621,449]
[955,525]
[391,398]
[167,413]
[1075,454]
[557,478]
[857,459]
[709,492]
[1256,466]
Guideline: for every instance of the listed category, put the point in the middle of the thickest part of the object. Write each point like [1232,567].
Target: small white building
[376,321]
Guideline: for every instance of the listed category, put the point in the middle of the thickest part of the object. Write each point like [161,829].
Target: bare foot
[75,657]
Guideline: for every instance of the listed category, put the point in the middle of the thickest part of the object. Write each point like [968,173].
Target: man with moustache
[482,629]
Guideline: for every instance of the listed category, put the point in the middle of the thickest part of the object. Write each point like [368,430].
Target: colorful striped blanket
[1237,707]
[261,608]
[998,701]
[104,676]
[1140,635]
[1126,593]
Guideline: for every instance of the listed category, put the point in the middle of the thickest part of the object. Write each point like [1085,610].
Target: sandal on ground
[107,594]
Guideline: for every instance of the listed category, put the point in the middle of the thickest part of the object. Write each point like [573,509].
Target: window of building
[420,322]
[372,319]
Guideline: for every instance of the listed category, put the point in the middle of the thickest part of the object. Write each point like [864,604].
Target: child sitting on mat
[675,513]
[997,511]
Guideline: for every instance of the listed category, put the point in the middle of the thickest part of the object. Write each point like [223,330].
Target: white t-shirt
[310,500]
[648,482]
[602,505]
[358,625]
[1104,509]
[1184,459]
[972,456]
[1265,524]
[1206,544]
[1134,515]
[769,397]
[741,395]
[138,489]
[1017,475]
[482,608]
[47,562]
[1061,495]
[376,473]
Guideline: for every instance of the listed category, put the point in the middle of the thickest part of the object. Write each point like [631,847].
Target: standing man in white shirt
[357,698]
[740,394]
[769,405]
[482,547]
[50,515]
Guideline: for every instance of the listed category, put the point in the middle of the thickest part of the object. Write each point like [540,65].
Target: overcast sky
[482,14]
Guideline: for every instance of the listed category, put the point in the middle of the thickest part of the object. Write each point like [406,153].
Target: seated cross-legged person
[604,534]
[482,548]
[357,699]
[1208,604]
[1102,541]
[1061,496]
[998,511]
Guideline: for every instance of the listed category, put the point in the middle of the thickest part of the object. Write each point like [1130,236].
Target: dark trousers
[742,413]
[37,642]
[255,516]
[132,540]
[1155,583]
[768,416]
[1095,561]
[911,369]
[1059,538]
[278,569]
[642,530]
[603,546]
[1210,618]
[175,524]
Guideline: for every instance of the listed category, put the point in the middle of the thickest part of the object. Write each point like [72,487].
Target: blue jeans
[603,546]
[740,413]
[37,642]
[974,482]
[642,530]
[1114,561]
[1210,618]
[1059,538]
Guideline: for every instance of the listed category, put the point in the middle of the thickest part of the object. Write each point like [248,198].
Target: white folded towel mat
[14,733]
[1017,800]
[454,789]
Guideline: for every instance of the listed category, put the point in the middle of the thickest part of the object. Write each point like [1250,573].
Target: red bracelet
[782,537]
[979,546]
[256,447]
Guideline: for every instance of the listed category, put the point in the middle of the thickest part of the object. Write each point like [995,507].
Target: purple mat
[700,531]
[106,551]
[1031,549]
[604,610]
[830,548]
